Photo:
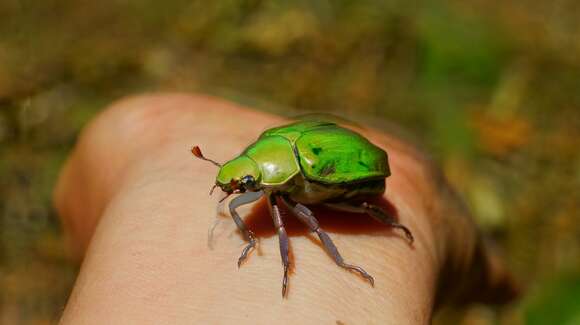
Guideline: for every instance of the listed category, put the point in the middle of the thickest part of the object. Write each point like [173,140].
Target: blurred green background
[490,87]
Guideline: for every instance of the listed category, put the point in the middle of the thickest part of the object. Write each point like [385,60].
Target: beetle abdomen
[308,192]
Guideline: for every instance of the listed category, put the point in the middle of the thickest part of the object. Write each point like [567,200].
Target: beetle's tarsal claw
[360,271]
[240,260]
[407,232]
[371,280]
[285,281]
[246,250]
[409,235]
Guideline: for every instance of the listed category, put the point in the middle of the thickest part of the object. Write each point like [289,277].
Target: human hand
[134,204]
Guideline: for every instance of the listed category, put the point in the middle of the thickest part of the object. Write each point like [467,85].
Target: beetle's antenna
[225,197]
[212,188]
[197,152]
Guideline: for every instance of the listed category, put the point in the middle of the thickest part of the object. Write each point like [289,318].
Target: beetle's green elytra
[307,162]
[335,155]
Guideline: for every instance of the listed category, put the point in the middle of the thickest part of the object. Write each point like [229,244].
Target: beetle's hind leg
[307,217]
[374,211]
[240,200]
[283,238]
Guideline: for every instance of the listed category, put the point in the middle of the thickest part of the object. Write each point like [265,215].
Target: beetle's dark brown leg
[282,236]
[307,217]
[375,212]
[240,200]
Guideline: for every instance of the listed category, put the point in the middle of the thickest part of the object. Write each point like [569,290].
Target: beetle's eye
[248,179]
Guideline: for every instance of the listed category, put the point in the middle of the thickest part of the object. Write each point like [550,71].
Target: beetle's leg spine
[283,238]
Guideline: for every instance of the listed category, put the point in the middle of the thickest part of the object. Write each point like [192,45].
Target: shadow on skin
[331,221]
[260,222]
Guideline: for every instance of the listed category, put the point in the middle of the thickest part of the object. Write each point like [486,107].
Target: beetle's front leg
[244,199]
[282,236]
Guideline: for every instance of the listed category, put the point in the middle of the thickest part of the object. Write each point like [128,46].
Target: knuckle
[135,124]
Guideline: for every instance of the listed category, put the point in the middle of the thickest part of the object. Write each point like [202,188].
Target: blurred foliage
[557,303]
[491,87]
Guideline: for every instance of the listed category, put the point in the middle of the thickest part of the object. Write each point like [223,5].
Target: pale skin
[136,210]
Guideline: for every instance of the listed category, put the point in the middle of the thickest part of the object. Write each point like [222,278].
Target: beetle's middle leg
[307,217]
[240,200]
[282,236]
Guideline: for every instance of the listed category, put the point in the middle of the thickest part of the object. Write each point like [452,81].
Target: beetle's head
[238,175]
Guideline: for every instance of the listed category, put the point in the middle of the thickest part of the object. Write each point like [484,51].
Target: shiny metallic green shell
[324,152]
[331,154]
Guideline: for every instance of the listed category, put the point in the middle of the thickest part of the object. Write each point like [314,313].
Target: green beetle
[306,162]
